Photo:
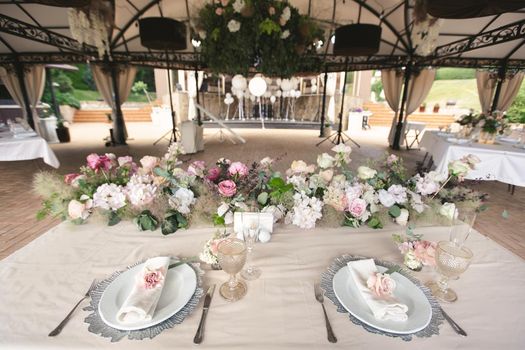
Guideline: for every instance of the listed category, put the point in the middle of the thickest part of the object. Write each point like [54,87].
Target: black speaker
[161,33]
[357,40]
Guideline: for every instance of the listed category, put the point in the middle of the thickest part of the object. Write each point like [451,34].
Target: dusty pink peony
[149,163]
[271,10]
[227,188]
[96,162]
[197,168]
[425,252]
[219,11]
[392,159]
[213,174]
[238,168]
[381,284]
[127,160]
[357,207]
[69,178]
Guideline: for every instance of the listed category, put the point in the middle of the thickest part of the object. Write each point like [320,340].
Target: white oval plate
[419,308]
[180,284]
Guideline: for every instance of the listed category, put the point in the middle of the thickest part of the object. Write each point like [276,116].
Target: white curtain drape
[486,86]
[392,83]
[509,89]
[418,89]
[192,94]
[34,79]
[104,83]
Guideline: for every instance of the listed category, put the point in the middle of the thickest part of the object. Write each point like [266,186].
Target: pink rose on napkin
[425,252]
[238,168]
[152,279]
[381,284]
[227,188]
[213,174]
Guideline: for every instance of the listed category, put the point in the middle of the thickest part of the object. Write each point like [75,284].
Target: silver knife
[207,301]
[453,324]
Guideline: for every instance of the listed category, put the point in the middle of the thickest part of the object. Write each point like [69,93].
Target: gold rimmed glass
[451,262]
[232,257]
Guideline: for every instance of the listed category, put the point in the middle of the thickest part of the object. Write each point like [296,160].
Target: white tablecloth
[25,149]
[498,162]
[41,282]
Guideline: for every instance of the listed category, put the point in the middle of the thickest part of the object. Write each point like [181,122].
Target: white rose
[285,34]
[238,5]
[434,176]
[365,173]
[342,148]
[77,210]
[402,219]
[448,210]
[266,162]
[228,218]
[386,199]
[325,161]
[234,26]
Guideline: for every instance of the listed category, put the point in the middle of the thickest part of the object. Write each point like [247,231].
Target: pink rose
[271,10]
[214,246]
[392,159]
[219,11]
[213,174]
[357,207]
[381,284]
[152,279]
[425,252]
[149,163]
[227,188]
[69,178]
[238,168]
[79,210]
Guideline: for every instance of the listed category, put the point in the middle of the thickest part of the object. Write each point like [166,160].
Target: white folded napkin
[141,302]
[383,308]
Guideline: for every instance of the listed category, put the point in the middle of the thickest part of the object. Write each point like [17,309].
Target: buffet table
[42,281]
[500,162]
[12,149]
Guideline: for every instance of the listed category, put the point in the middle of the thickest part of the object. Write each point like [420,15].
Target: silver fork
[320,298]
[62,324]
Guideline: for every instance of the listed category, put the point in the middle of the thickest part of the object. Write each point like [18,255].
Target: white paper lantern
[286,85]
[272,99]
[313,81]
[314,89]
[257,86]
[228,95]
[278,93]
[228,100]
[239,82]
[297,93]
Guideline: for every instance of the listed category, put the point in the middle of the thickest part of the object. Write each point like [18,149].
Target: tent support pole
[119,125]
[501,77]
[324,102]
[19,67]
[402,108]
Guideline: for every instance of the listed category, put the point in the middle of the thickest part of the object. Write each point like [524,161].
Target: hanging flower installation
[267,36]
[92,24]
[425,31]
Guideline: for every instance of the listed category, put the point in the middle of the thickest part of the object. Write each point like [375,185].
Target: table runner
[503,163]
[24,149]
[42,281]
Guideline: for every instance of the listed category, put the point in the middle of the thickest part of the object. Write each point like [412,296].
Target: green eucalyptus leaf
[262,198]
[394,211]
[113,218]
[162,172]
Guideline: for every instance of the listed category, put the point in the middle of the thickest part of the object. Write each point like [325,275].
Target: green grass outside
[89,95]
[464,92]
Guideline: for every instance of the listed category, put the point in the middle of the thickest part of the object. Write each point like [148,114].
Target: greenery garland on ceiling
[267,36]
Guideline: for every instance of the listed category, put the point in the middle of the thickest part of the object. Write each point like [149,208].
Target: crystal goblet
[250,230]
[231,254]
[451,261]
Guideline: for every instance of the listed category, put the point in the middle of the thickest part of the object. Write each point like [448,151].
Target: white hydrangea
[182,200]
[285,34]
[234,26]
[399,193]
[325,161]
[140,190]
[386,198]
[426,185]
[299,183]
[109,197]
[415,202]
[306,211]
[285,16]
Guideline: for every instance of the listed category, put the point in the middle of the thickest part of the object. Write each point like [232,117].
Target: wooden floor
[18,205]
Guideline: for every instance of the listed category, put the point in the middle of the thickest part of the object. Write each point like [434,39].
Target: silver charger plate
[98,326]
[341,261]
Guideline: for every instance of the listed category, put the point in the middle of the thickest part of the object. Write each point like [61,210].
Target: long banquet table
[42,281]
[12,149]
[500,162]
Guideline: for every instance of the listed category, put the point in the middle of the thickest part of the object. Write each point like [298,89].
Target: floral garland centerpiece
[268,35]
